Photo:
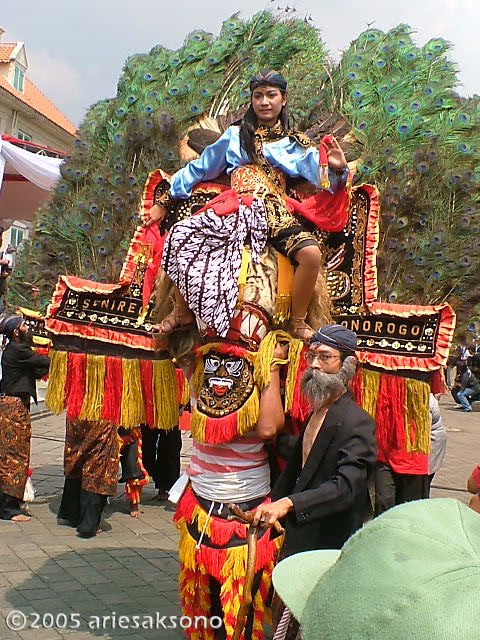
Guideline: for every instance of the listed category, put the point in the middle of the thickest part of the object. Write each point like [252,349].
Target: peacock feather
[392,100]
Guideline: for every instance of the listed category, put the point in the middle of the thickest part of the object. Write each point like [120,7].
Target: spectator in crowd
[21,367]
[411,574]
[466,387]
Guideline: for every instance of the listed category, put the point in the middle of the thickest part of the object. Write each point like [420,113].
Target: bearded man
[323,489]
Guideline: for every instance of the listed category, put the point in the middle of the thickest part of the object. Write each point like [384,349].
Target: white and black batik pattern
[203,254]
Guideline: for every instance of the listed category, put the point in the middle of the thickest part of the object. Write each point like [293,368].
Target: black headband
[268,78]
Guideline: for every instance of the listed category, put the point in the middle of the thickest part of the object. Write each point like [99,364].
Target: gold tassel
[133,410]
[94,389]
[165,395]
[370,386]
[282,309]
[55,398]
[294,356]
[284,290]
[417,402]
[323,178]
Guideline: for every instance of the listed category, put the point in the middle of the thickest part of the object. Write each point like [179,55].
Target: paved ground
[67,587]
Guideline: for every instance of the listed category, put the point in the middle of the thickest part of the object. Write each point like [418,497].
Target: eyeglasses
[321,357]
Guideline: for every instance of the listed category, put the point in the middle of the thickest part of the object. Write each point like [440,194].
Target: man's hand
[280,351]
[335,155]
[157,213]
[267,515]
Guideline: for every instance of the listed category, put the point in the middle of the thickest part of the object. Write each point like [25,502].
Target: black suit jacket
[21,366]
[329,494]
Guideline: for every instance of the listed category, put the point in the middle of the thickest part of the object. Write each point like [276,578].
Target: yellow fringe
[370,386]
[55,398]
[133,410]
[198,425]
[235,562]
[165,395]
[185,393]
[263,361]
[417,400]
[248,413]
[204,522]
[186,547]
[197,377]
[247,417]
[294,355]
[94,388]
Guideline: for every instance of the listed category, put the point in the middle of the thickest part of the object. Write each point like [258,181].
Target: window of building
[21,135]
[18,79]
[16,236]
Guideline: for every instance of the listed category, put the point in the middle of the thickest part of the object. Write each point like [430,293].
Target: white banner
[42,171]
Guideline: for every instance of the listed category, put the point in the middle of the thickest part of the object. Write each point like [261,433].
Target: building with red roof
[25,112]
[28,120]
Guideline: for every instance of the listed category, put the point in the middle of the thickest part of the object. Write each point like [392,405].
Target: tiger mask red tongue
[220,387]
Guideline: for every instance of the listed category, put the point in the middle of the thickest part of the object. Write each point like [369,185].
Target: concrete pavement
[62,586]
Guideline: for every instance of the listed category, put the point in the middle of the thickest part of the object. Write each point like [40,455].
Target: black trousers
[9,506]
[161,455]
[395,488]
[80,508]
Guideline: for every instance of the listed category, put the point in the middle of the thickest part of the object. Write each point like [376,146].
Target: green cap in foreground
[411,574]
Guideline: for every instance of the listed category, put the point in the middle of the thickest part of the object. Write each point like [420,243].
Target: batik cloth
[203,255]
[15,434]
[92,454]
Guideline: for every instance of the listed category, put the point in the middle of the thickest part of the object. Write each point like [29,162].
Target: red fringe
[111,409]
[75,384]
[220,430]
[437,383]
[390,416]
[300,407]
[146,375]
[180,378]
[356,387]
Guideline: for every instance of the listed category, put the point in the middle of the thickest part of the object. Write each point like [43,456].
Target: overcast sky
[76,50]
